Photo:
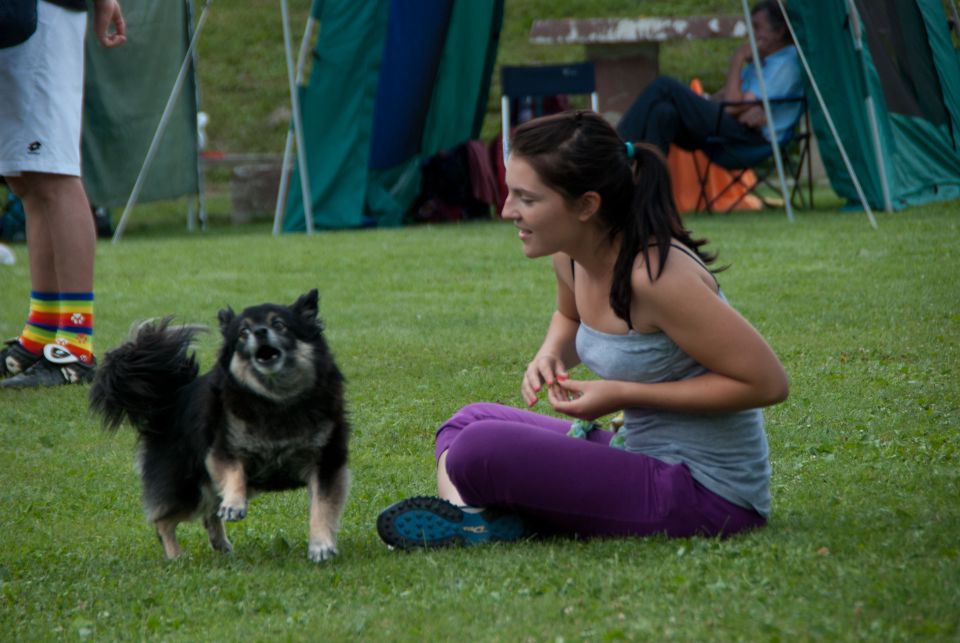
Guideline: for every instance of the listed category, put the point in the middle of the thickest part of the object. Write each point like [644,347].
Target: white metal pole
[505,126]
[774,143]
[854,20]
[164,119]
[297,122]
[285,167]
[201,180]
[826,114]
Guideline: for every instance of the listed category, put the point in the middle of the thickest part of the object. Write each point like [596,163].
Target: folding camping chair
[524,89]
[739,158]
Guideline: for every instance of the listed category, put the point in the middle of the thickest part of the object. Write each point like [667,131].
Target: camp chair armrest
[779,99]
[802,100]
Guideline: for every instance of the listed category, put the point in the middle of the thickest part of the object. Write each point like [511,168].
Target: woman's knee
[451,430]
[476,449]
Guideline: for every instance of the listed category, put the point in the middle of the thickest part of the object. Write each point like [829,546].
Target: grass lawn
[862,542]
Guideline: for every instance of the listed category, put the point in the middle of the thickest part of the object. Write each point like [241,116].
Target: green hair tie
[630,150]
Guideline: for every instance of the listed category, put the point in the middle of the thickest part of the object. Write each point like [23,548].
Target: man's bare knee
[17,185]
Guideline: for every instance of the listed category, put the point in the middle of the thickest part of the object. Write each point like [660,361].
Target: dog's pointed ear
[225,316]
[306,306]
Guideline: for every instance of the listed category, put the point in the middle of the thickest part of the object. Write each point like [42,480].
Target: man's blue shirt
[783,77]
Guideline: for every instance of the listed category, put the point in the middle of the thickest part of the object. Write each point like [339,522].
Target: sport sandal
[15,359]
[57,366]
[429,522]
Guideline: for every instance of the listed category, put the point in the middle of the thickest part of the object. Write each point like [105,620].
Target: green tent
[126,90]
[392,83]
[895,98]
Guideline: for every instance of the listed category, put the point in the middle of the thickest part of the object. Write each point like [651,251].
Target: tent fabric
[411,55]
[911,70]
[364,165]
[463,79]
[126,90]
[337,108]
[457,106]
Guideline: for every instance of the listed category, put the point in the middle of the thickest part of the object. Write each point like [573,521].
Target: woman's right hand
[544,369]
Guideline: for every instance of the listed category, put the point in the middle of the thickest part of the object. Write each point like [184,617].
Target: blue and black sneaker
[428,522]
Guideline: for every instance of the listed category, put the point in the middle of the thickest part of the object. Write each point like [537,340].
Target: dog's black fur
[268,416]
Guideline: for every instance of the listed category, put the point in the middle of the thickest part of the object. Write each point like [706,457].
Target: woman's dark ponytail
[653,217]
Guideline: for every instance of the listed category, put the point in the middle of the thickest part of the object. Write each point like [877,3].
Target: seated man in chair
[669,112]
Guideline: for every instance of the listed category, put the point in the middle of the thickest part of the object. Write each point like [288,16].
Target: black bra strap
[695,258]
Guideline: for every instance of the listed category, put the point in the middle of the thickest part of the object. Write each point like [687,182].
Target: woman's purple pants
[498,456]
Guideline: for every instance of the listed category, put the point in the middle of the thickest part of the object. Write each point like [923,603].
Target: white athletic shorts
[41,96]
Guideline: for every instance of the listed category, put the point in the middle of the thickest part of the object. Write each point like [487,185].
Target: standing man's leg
[61,236]
[61,243]
[40,157]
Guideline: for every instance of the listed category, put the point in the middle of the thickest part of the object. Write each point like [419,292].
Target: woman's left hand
[584,399]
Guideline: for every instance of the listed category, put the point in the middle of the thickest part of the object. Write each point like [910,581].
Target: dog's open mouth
[267,355]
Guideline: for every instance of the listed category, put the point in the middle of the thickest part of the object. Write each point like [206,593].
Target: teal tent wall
[917,96]
[339,107]
[126,90]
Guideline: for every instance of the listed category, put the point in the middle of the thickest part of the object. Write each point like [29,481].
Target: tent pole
[854,20]
[505,127]
[826,113]
[284,184]
[297,122]
[164,119]
[201,188]
[956,16]
[285,168]
[774,143]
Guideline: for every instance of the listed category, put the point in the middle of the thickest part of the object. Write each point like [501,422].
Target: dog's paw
[233,512]
[318,553]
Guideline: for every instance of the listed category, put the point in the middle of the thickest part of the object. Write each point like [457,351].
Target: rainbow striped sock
[42,321]
[75,327]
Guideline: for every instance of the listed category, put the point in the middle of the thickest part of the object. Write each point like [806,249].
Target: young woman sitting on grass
[636,304]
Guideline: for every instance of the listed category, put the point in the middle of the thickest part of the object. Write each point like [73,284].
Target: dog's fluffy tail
[138,380]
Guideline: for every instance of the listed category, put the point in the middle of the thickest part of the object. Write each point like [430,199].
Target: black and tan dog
[268,416]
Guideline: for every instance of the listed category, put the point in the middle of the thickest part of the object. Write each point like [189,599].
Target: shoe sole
[425,522]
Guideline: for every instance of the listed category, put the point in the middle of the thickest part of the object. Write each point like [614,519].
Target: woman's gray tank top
[726,452]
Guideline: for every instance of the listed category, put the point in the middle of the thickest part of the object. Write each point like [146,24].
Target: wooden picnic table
[626,51]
